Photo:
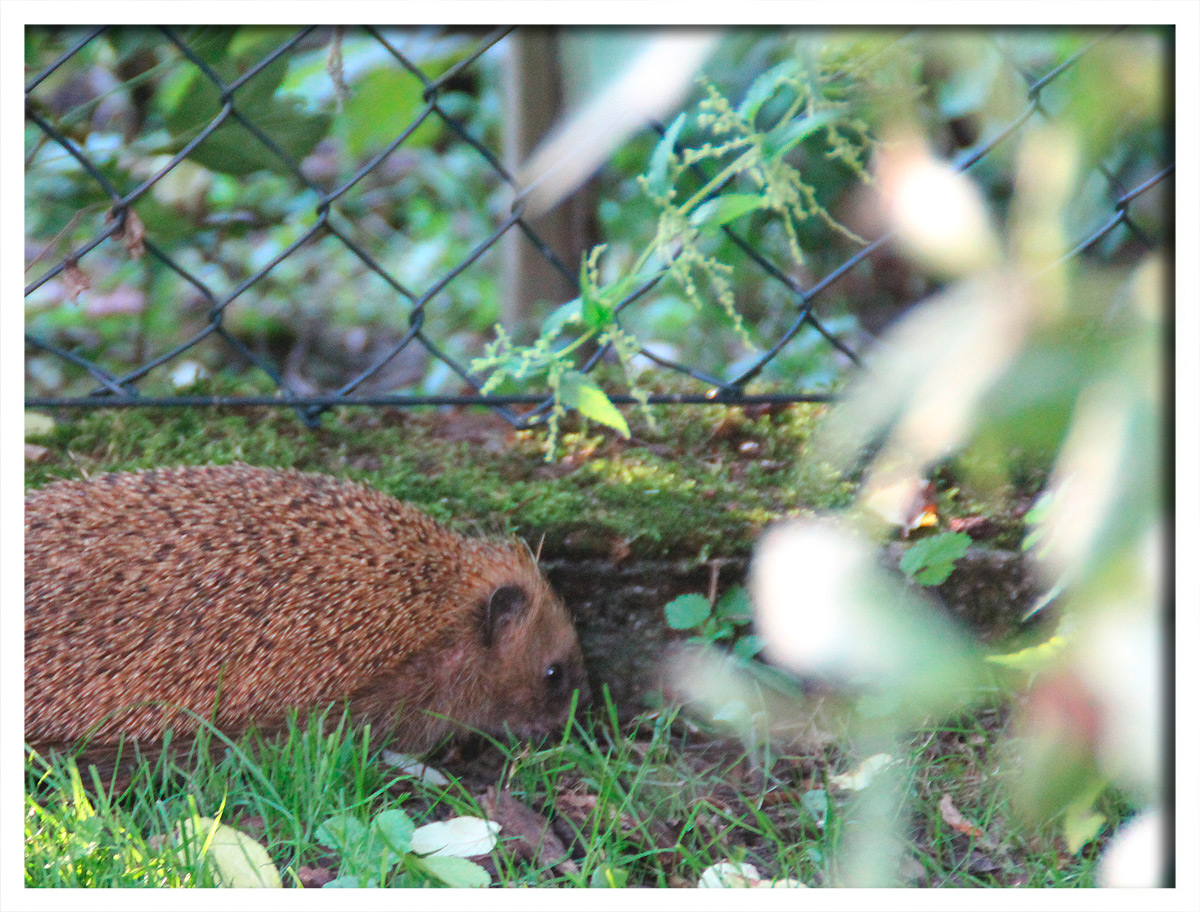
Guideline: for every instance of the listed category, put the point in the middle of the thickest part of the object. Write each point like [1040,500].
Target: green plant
[930,561]
[727,619]
[130,100]
[76,840]
[652,802]
[745,150]
[371,854]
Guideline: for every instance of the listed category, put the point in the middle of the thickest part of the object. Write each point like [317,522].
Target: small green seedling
[729,619]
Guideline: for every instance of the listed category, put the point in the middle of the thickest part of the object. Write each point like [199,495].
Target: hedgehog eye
[555,677]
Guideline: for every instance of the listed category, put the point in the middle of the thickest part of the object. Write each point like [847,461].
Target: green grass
[653,803]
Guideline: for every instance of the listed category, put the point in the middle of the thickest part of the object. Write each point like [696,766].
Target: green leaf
[606,876]
[348,882]
[787,136]
[599,304]
[210,44]
[395,828]
[714,630]
[200,101]
[341,832]
[455,872]
[656,174]
[233,149]
[748,646]
[236,858]
[596,314]
[735,606]
[1033,658]
[570,312]
[579,392]
[585,272]
[765,85]
[1081,823]
[816,802]
[724,209]
[687,611]
[931,560]
[381,106]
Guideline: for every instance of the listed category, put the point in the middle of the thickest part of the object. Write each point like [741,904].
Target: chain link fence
[273,203]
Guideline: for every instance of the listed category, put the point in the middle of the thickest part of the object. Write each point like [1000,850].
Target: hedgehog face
[532,649]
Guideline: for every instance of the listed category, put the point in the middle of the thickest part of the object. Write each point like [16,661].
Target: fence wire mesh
[204,200]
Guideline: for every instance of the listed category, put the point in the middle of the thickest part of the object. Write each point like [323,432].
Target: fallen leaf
[982,863]
[727,874]
[529,833]
[908,502]
[730,424]
[456,872]
[413,767]
[237,860]
[858,779]
[461,837]
[315,877]
[957,822]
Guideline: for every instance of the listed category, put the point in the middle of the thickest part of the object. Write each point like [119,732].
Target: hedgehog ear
[504,604]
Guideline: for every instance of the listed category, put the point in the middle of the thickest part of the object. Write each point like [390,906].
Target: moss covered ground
[702,483]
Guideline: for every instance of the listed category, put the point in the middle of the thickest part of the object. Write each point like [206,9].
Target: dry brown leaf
[133,235]
[314,877]
[957,822]
[75,279]
[528,833]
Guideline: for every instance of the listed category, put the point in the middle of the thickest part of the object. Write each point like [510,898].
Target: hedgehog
[234,594]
